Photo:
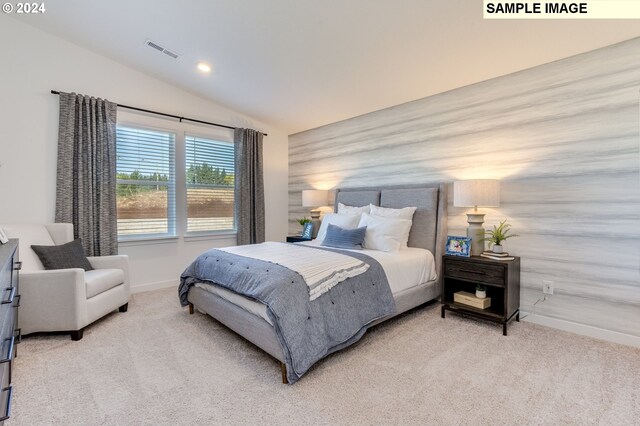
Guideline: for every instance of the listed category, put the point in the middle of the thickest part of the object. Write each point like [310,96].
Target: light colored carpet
[158,365]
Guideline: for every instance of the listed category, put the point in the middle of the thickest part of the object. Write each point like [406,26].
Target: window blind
[210,184]
[145,182]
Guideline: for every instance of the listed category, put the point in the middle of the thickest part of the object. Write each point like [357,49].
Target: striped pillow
[344,238]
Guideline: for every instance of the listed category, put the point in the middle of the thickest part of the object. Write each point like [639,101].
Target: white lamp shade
[476,193]
[314,197]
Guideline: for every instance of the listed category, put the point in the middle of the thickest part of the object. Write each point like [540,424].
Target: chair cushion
[64,256]
[100,280]
[29,235]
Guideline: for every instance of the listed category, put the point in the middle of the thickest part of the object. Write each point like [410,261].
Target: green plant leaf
[499,233]
[303,221]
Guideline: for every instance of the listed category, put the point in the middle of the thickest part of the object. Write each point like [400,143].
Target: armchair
[66,300]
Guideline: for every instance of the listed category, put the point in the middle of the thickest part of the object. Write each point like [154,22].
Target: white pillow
[344,209]
[346,221]
[405,213]
[385,234]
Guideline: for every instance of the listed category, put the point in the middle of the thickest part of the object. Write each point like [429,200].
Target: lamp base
[475,231]
[315,220]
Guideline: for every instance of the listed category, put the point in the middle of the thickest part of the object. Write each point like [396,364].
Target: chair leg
[124,307]
[191,308]
[283,368]
[77,334]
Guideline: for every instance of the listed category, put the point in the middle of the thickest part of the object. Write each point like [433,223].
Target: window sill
[221,235]
[144,241]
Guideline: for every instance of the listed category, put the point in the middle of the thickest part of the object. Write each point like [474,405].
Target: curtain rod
[56,92]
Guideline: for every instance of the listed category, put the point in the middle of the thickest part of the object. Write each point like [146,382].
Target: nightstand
[500,277]
[296,239]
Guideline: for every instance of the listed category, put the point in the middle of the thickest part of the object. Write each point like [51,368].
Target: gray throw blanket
[307,330]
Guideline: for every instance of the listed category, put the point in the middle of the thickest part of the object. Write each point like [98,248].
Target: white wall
[34,62]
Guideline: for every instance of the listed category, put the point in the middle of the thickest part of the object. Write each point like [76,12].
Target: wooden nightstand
[500,277]
[296,239]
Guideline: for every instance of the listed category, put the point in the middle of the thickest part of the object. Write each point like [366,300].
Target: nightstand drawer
[477,272]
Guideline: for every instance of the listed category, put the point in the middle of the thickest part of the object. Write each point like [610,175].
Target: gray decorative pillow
[344,238]
[64,256]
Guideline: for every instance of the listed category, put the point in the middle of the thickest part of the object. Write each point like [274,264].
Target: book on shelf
[488,256]
[470,299]
[490,253]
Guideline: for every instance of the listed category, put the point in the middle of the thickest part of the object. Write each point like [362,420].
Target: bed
[414,279]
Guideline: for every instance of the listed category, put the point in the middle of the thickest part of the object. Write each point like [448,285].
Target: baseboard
[140,288]
[582,329]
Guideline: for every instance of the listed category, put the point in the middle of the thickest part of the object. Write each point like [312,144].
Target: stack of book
[470,299]
[497,256]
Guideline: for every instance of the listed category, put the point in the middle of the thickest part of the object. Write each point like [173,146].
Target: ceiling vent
[159,48]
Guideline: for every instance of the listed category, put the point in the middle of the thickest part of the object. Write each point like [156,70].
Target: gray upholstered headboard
[429,228]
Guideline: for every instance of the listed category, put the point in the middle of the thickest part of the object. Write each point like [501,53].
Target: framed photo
[307,231]
[458,246]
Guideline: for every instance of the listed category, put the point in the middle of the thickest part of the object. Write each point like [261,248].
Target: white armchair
[66,300]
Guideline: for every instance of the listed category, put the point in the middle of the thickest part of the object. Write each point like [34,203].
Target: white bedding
[328,269]
[406,268]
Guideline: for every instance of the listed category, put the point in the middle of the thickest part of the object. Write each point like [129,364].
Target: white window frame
[180,130]
[171,212]
[194,234]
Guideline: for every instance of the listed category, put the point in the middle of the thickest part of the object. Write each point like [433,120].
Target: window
[157,169]
[145,170]
[209,166]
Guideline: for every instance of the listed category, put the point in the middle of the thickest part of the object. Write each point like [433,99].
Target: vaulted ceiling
[299,64]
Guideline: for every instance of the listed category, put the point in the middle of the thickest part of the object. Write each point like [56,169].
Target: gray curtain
[86,182]
[249,192]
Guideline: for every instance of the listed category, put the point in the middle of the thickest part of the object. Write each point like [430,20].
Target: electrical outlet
[547,287]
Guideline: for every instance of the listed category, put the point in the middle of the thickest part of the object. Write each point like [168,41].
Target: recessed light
[204,67]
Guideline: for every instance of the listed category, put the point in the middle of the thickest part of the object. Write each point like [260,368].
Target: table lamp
[476,193]
[315,198]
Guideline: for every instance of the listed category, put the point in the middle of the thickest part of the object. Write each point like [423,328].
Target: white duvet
[406,268]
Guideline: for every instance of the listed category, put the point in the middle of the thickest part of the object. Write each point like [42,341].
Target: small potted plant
[498,234]
[303,222]
[481,291]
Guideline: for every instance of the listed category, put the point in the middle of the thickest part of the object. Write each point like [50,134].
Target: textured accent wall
[564,140]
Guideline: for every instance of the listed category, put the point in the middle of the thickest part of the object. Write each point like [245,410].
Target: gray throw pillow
[344,238]
[64,256]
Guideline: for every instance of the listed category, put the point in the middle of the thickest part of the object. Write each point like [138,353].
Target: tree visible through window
[210,184]
[145,182]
